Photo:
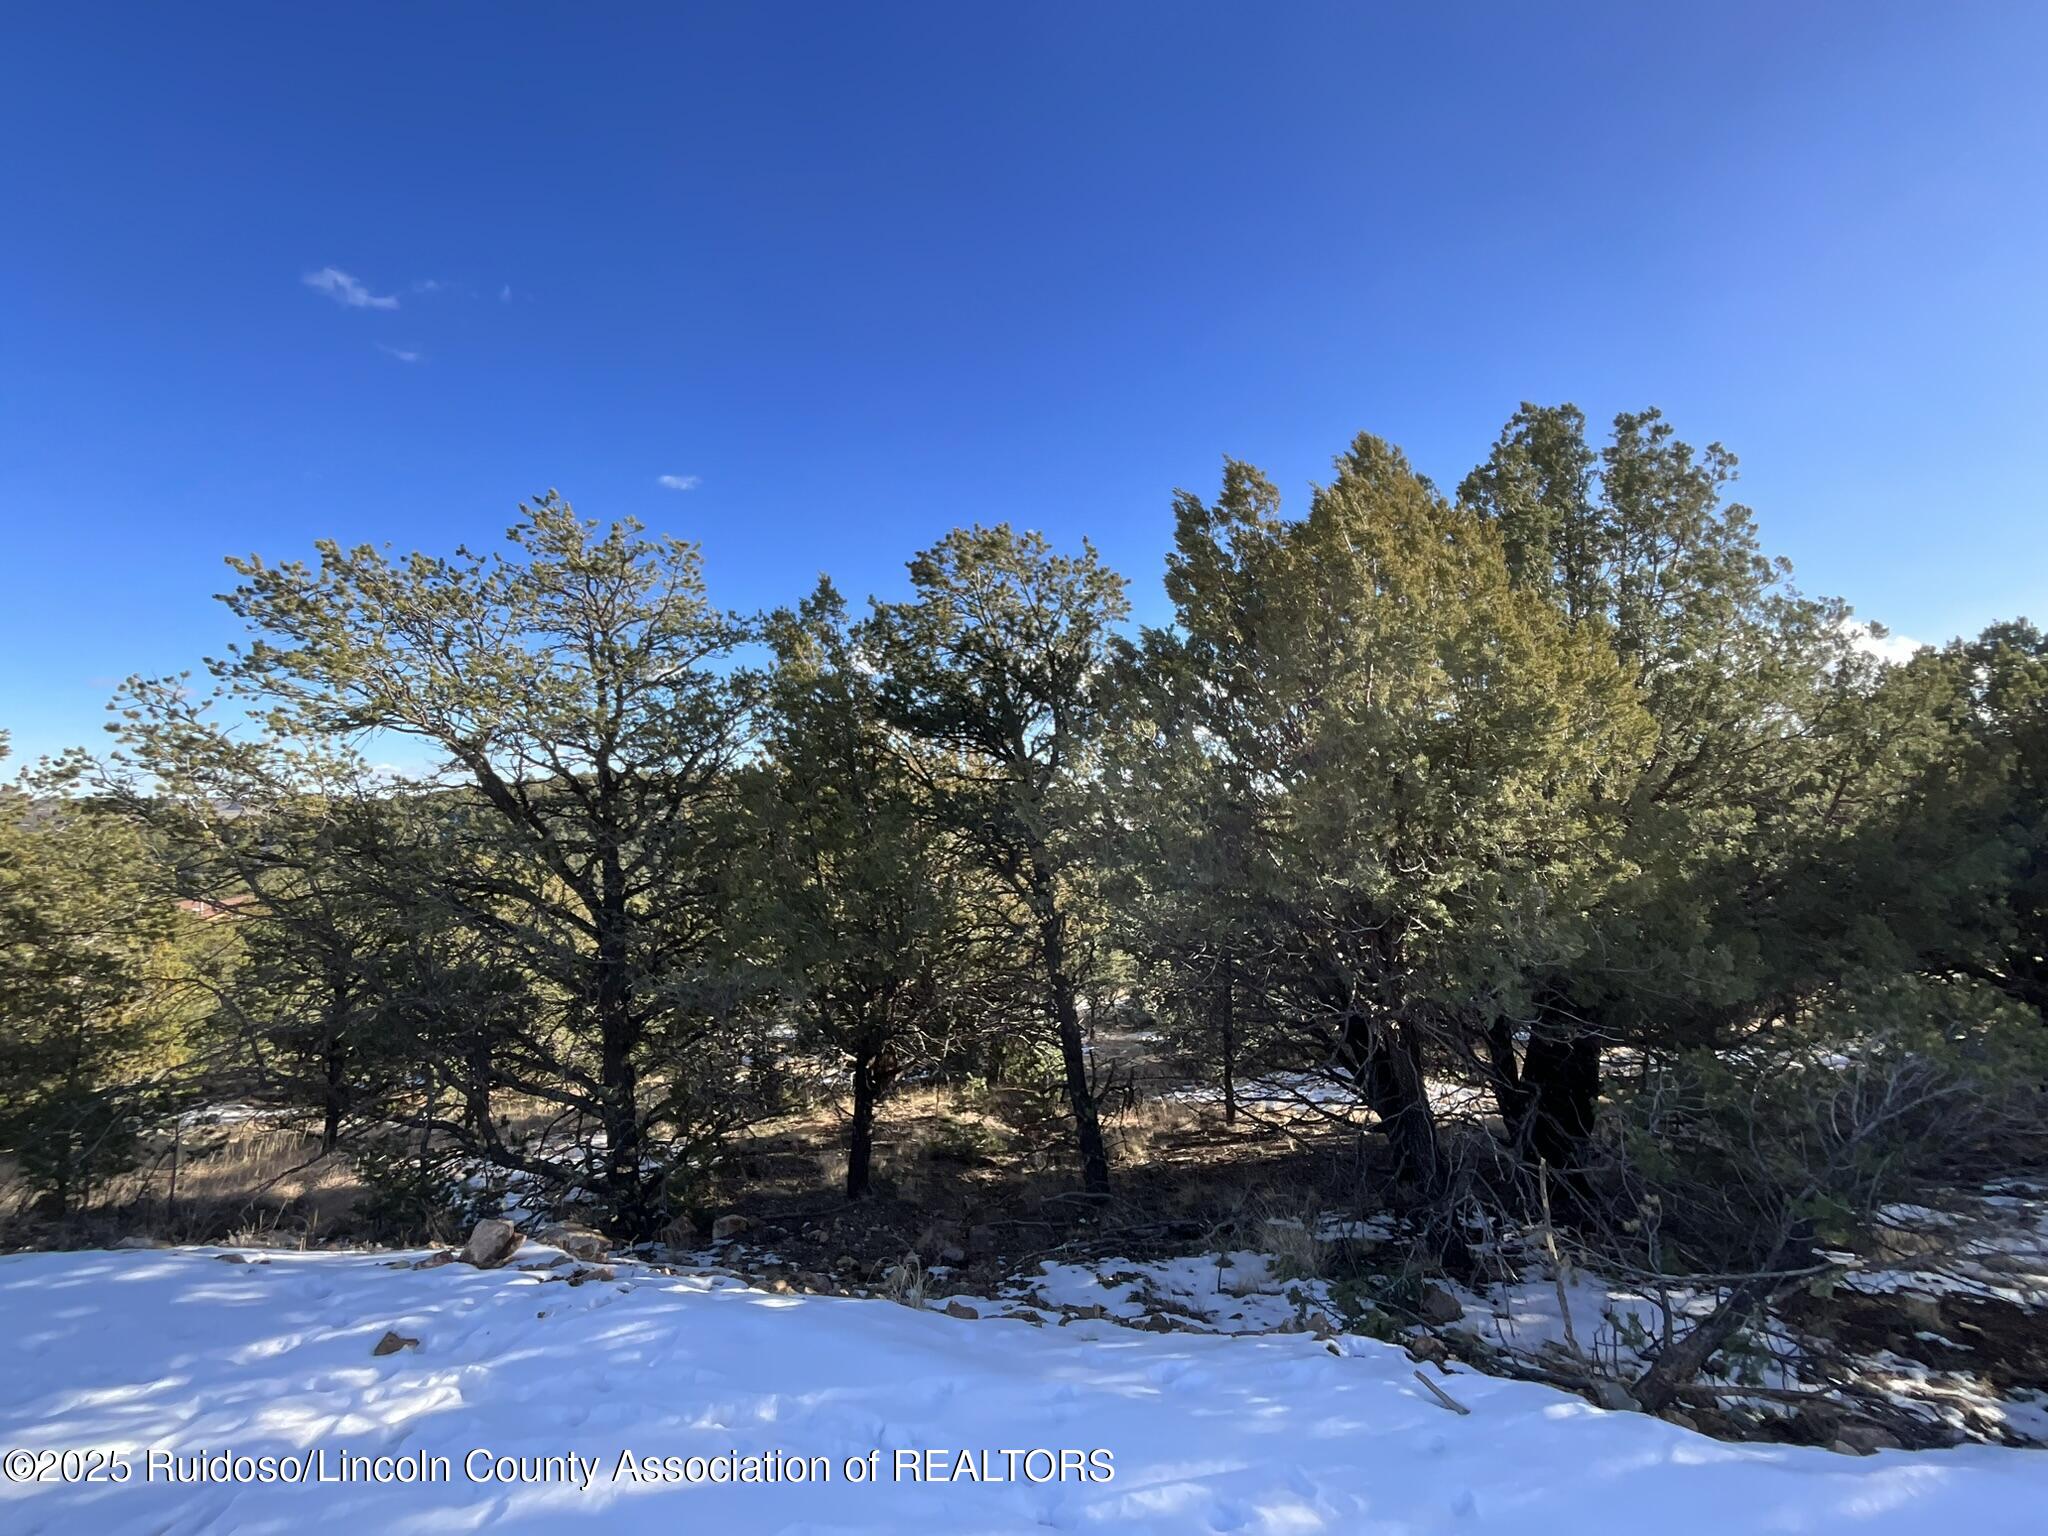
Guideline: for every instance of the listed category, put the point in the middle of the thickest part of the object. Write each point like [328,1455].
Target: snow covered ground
[533,1388]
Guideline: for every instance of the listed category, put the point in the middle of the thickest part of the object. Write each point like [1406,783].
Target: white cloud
[403,354]
[1876,640]
[345,290]
[505,294]
[428,285]
[680,482]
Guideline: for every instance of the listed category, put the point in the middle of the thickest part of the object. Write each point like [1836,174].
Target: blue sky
[855,274]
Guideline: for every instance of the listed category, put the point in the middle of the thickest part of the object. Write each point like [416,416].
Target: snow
[1264,1432]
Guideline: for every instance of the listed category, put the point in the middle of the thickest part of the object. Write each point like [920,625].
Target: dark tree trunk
[1064,996]
[1228,1023]
[632,1213]
[334,1077]
[1386,1060]
[1561,1083]
[860,1146]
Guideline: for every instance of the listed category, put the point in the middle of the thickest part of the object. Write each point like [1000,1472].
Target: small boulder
[491,1243]
[951,1253]
[1438,1306]
[1864,1439]
[436,1260]
[1428,1349]
[596,1272]
[578,1242]
[957,1308]
[142,1242]
[232,1258]
[1613,1396]
[728,1227]
[393,1342]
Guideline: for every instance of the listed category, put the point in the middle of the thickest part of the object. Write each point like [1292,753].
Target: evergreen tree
[579,698]
[1000,664]
[860,883]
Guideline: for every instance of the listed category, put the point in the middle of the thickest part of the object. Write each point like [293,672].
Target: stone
[1865,1439]
[142,1242]
[981,1239]
[595,1272]
[436,1260]
[1428,1349]
[491,1243]
[1613,1396]
[960,1309]
[578,1242]
[952,1253]
[846,1264]
[393,1342]
[232,1258]
[1438,1306]
[1681,1418]
[728,1227]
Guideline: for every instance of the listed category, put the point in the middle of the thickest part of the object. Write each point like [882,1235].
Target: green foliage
[95,962]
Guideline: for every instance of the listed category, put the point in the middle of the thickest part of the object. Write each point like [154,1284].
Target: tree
[860,884]
[1413,750]
[93,1001]
[999,664]
[579,699]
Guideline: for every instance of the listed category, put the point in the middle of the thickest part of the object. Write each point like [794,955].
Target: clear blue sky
[860,272]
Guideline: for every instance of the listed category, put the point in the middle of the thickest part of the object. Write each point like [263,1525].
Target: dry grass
[254,1182]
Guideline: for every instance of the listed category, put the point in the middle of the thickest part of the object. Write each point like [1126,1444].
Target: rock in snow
[1258,1433]
[490,1244]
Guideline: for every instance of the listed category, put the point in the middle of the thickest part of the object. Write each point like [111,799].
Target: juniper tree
[1414,746]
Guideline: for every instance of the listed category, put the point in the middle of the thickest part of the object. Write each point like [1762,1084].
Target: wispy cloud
[346,290]
[680,482]
[427,285]
[403,354]
[505,294]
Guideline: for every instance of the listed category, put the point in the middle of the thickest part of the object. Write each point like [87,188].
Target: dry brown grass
[255,1182]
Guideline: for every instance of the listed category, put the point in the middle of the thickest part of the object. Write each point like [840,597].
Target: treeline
[1555,789]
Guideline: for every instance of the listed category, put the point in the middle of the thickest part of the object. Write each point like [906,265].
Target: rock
[578,1242]
[595,1272]
[952,1253]
[1864,1439]
[961,1309]
[232,1258]
[1428,1349]
[981,1239]
[555,1263]
[681,1232]
[142,1242]
[436,1260]
[1613,1396]
[846,1264]
[728,1227]
[1438,1305]
[393,1342]
[1681,1418]
[491,1243]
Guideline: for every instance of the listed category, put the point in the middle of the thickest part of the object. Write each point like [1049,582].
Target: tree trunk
[625,1185]
[1386,1061]
[1561,1083]
[860,1145]
[1229,1032]
[333,1081]
[1064,997]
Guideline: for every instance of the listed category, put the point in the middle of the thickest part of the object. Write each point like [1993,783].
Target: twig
[1441,1395]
